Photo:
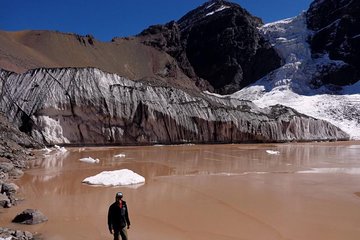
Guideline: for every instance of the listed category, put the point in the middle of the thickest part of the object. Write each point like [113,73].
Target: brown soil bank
[24,50]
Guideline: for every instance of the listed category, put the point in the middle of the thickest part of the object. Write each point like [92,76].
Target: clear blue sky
[105,19]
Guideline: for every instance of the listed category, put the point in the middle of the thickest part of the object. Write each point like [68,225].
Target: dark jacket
[118,217]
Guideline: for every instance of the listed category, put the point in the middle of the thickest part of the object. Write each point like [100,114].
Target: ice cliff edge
[89,106]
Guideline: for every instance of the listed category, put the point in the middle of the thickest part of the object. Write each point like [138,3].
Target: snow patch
[121,177]
[210,6]
[223,7]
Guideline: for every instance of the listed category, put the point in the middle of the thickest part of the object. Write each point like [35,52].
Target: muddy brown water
[201,192]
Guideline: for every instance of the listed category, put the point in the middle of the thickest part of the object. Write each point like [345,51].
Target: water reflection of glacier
[52,163]
[55,160]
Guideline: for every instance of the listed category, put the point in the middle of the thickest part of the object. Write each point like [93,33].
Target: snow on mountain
[223,7]
[292,84]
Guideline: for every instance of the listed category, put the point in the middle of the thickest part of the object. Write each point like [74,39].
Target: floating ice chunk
[81,149]
[60,149]
[54,152]
[121,155]
[120,177]
[246,173]
[333,170]
[46,150]
[89,160]
[273,152]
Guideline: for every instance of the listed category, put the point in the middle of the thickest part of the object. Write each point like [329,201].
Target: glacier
[89,106]
[291,85]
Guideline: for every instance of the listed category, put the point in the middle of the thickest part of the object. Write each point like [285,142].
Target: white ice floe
[55,151]
[333,170]
[81,149]
[120,177]
[89,160]
[121,155]
[46,150]
[246,173]
[273,152]
[60,149]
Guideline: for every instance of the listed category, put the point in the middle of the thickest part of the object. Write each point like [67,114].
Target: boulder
[9,234]
[6,167]
[9,188]
[30,217]
[4,201]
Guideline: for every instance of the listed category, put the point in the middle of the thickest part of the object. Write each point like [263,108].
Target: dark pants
[122,232]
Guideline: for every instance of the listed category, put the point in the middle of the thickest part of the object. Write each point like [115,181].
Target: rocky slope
[88,106]
[14,157]
[219,42]
[13,144]
[21,51]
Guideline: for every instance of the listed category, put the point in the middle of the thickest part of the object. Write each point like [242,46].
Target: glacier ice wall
[88,106]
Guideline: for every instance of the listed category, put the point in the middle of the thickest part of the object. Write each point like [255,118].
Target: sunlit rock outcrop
[88,106]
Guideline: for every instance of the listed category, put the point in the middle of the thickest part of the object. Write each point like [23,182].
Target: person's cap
[119,195]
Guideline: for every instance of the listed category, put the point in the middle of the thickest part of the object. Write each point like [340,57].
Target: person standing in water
[118,218]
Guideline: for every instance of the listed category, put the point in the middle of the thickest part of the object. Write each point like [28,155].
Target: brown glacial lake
[307,191]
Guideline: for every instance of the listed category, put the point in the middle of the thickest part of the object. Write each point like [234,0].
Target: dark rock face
[336,26]
[13,158]
[30,217]
[218,42]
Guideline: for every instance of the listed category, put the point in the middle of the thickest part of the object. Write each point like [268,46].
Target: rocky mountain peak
[217,44]
[213,8]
